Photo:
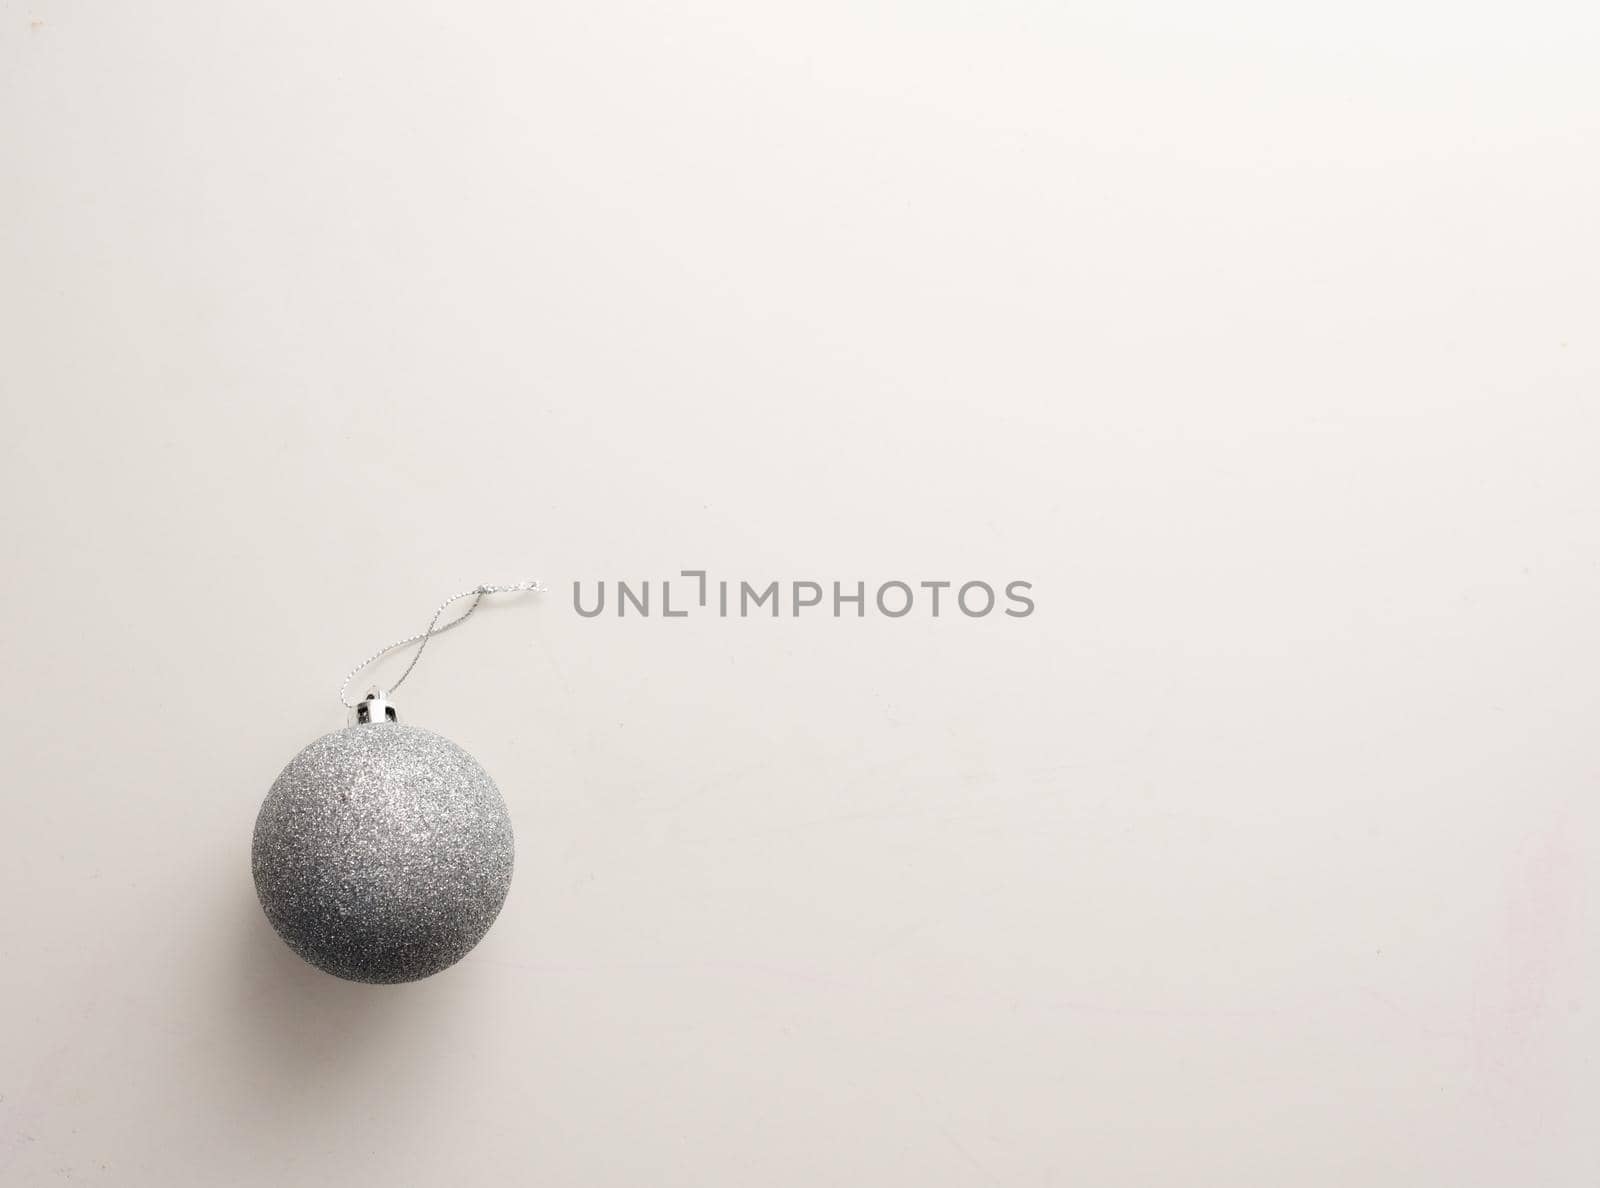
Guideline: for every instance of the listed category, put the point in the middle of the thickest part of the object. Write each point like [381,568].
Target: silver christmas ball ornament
[383,853]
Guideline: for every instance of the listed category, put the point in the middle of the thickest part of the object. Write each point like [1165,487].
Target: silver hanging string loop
[477,594]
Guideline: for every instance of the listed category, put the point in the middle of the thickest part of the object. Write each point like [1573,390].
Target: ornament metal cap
[374,707]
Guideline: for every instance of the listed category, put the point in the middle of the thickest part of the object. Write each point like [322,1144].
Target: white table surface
[1261,340]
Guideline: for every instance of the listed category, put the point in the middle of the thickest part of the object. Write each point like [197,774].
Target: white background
[1260,337]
